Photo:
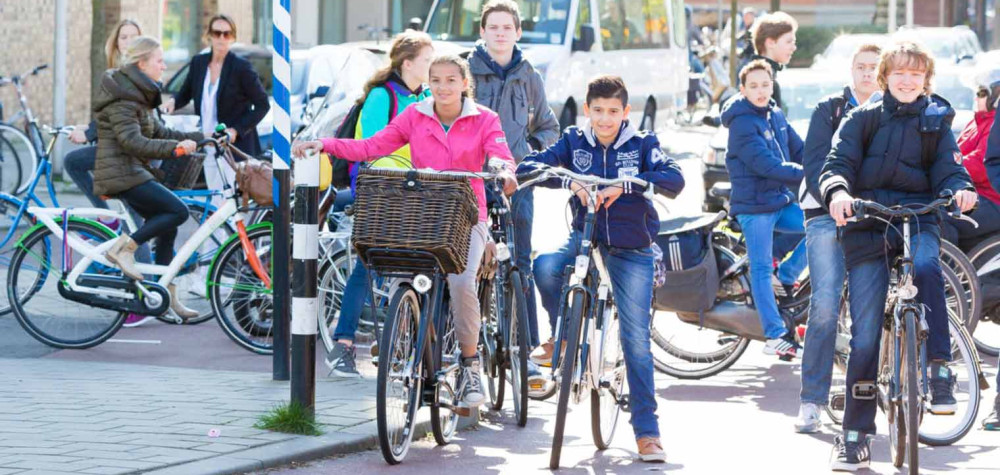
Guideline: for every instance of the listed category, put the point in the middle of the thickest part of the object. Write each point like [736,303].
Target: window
[680,23]
[542,21]
[582,18]
[634,24]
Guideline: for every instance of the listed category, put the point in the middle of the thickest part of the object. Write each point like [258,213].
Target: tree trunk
[106,15]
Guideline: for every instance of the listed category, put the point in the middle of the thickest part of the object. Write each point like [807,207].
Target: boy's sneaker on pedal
[471,383]
[808,421]
[992,421]
[785,347]
[542,354]
[342,361]
[942,389]
[851,452]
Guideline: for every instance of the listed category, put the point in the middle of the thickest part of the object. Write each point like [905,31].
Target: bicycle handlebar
[863,209]
[17,78]
[543,172]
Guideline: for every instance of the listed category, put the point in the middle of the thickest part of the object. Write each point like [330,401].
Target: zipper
[607,214]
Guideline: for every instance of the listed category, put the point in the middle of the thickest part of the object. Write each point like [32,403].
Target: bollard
[305,284]
[281,71]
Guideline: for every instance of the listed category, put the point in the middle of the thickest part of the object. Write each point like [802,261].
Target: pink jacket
[475,135]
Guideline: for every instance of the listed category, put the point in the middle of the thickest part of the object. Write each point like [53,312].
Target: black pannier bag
[687,275]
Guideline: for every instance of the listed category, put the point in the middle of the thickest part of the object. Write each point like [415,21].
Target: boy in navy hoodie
[764,159]
[610,147]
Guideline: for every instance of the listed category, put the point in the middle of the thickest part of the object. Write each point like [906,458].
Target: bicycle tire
[9,206]
[911,385]
[444,422]
[251,301]
[397,351]
[517,346]
[719,359]
[953,258]
[566,368]
[604,409]
[333,275]
[490,342]
[191,285]
[22,152]
[981,254]
[955,299]
[964,348]
[104,325]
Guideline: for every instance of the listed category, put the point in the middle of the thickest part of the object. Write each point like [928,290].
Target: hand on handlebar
[509,183]
[966,200]
[580,191]
[187,146]
[607,196]
[300,149]
[841,207]
[78,135]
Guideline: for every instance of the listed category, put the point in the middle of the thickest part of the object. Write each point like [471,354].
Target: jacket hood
[985,117]
[625,133]
[740,105]
[426,107]
[482,63]
[129,84]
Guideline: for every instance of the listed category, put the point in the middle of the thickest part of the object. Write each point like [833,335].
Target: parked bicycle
[20,148]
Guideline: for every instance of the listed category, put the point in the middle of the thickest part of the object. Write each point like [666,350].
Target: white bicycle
[59,264]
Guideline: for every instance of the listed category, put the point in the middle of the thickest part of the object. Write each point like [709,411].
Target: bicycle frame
[44,168]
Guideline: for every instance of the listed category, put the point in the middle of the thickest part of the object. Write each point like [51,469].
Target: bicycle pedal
[625,402]
[375,361]
[462,411]
[838,402]
[786,358]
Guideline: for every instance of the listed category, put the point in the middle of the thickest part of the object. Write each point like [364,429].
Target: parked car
[186,118]
[571,41]
[956,45]
[341,70]
[838,54]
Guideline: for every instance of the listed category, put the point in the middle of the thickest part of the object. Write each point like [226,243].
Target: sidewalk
[59,416]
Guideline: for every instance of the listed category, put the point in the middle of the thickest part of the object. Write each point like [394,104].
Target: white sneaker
[783,347]
[808,420]
[472,384]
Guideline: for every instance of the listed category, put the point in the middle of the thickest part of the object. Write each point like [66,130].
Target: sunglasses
[221,33]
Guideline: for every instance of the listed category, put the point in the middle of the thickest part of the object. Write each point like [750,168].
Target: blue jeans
[163,212]
[759,229]
[827,273]
[632,285]
[352,303]
[523,208]
[868,282]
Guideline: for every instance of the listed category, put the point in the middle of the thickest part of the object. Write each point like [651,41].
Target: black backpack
[929,139]
[341,168]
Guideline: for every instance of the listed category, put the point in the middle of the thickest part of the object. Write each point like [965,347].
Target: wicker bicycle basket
[181,173]
[401,211]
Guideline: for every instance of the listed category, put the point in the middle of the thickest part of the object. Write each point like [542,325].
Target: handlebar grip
[39,69]
[663,191]
[179,152]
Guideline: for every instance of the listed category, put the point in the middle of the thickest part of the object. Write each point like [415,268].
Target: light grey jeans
[464,294]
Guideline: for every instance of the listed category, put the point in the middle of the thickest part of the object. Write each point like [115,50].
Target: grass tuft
[291,418]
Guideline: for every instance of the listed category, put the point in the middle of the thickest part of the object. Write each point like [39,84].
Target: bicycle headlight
[421,283]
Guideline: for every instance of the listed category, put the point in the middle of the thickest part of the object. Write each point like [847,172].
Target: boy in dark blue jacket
[609,147]
[764,160]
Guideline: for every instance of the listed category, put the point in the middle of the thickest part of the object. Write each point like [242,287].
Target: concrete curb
[302,449]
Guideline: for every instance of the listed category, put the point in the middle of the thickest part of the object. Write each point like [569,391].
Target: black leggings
[163,211]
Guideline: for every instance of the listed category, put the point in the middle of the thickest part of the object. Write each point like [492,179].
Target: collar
[426,107]
[893,107]
[396,83]
[625,133]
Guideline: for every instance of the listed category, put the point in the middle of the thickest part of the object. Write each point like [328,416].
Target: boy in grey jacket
[507,83]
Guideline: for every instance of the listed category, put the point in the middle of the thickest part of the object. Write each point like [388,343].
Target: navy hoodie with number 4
[632,221]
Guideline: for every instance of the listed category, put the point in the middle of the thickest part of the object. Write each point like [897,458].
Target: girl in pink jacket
[447,131]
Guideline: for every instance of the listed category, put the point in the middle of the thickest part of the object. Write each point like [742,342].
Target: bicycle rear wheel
[491,341]
[567,367]
[953,258]
[240,299]
[946,430]
[604,407]
[398,390]
[9,207]
[987,336]
[444,421]
[517,347]
[16,151]
[33,289]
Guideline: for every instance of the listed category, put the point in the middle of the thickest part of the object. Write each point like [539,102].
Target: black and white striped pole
[305,302]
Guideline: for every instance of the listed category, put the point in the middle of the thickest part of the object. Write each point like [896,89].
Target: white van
[571,41]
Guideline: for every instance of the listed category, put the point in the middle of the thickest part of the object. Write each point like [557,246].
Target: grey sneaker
[808,420]
[341,361]
[471,383]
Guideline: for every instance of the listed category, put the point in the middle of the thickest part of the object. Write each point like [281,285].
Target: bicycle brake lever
[974,223]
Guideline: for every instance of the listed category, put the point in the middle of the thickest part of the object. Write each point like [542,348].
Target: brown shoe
[650,450]
[178,307]
[542,355]
[122,254]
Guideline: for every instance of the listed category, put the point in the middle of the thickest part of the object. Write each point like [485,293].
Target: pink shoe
[111,223]
[134,320]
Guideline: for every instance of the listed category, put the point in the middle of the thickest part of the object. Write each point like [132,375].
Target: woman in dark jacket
[226,90]
[128,137]
[897,151]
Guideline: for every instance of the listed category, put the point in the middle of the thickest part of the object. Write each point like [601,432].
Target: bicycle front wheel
[33,290]
[567,368]
[398,390]
[444,420]
[517,347]
[604,401]
[912,402]
[16,151]
[491,341]
[240,299]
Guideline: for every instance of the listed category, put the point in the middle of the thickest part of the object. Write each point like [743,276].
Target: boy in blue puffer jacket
[764,159]
[609,147]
